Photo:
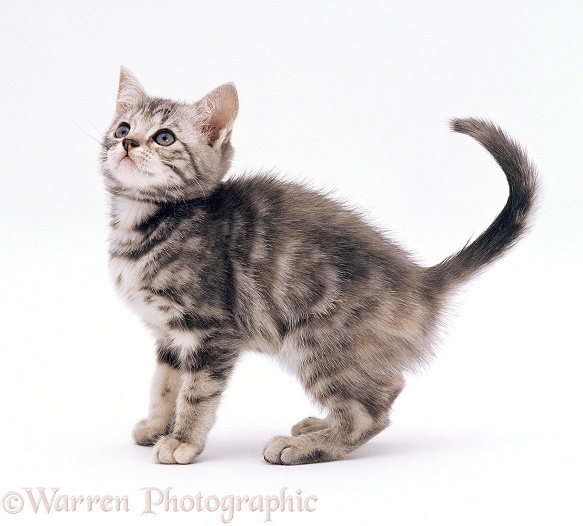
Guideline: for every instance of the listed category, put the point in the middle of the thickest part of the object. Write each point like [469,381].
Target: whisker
[201,188]
[84,131]
[95,127]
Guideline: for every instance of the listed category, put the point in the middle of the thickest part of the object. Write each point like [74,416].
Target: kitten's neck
[127,213]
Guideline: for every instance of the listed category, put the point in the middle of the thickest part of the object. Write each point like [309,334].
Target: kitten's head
[162,150]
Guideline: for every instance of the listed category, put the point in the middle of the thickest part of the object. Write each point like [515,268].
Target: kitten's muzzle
[128,144]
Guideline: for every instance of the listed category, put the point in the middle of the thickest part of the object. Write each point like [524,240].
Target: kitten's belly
[156,311]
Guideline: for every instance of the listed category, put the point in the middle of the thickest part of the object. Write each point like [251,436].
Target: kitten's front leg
[203,380]
[164,391]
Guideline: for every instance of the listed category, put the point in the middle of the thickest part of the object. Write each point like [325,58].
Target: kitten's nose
[128,144]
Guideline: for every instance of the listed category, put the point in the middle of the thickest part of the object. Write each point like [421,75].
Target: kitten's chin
[139,178]
[126,171]
[129,174]
[127,179]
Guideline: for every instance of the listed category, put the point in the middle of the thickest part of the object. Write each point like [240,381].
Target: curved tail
[509,225]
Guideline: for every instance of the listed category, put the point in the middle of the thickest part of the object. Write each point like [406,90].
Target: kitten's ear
[217,112]
[130,91]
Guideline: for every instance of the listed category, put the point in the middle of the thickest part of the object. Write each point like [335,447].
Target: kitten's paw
[169,450]
[296,450]
[309,425]
[146,433]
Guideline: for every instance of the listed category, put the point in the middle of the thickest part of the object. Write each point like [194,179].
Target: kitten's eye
[122,130]
[164,138]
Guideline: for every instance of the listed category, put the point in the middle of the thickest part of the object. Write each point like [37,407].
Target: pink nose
[128,144]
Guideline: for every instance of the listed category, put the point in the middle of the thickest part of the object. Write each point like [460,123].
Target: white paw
[295,450]
[146,433]
[169,450]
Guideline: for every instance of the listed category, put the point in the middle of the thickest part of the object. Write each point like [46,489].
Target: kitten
[217,266]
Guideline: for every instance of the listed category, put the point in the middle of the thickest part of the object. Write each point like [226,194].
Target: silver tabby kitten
[217,266]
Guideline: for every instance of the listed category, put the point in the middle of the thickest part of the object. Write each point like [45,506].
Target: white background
[352,97]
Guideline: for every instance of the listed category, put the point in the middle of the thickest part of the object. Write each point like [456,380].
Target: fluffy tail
[511,223]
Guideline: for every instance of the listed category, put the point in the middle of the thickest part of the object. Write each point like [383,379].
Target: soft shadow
[403,446]
[240,447]
[248,448]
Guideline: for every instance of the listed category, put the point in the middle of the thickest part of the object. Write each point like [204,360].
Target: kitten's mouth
[127,165]
[127,158]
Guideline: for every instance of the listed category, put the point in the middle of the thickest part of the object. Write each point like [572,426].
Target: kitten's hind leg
[354,418]
[165,386]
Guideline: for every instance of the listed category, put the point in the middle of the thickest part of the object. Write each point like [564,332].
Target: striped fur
[217,266]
